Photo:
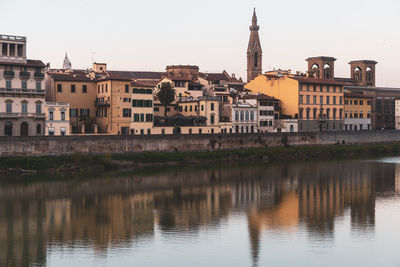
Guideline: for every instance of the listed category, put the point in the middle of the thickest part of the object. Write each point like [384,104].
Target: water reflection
[115,213]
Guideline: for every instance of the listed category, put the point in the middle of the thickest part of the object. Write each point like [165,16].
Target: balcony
[9,74]
[16,115]
[39,76]
[24,75]
[22,92]
[102,103]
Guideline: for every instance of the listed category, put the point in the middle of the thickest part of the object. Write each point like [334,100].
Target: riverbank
[79,162]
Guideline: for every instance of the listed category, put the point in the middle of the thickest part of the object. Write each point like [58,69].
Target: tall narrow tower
[254,51]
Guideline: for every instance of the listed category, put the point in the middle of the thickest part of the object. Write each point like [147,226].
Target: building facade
[244,117]
[22,94]
[57,119]
[357,109]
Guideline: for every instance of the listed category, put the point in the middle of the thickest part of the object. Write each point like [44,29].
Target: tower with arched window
[363,72]
[321,67]
[254,51]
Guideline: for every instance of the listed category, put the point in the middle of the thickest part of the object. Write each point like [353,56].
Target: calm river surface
[300,214]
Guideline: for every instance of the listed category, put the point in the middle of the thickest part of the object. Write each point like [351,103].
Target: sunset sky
[148,35]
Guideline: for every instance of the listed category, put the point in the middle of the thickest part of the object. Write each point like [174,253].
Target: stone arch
[357,74]
[315,70]
[369,75]
[327,71]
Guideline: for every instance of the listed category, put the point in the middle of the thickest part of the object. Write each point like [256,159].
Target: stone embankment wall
[18,146]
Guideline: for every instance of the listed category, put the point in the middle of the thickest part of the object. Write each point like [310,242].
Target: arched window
[357,74]
[255,59]
[291,128]
[328,112]
[241,115]
[315,70]
[247,115]
[370,76]
[327,71]
[252,115]
[8,127]
[236,115]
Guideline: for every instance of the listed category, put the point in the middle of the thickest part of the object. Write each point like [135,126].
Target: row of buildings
[38,100]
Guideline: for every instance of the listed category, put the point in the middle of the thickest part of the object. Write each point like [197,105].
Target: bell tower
[254,51]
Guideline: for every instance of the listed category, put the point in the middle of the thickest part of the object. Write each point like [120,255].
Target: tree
[166,95]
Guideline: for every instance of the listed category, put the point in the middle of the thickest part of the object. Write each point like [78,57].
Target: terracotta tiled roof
[214,76]
[29,63]
[318,81]
[139,74]
[142,84]
[260,97]
[72,76]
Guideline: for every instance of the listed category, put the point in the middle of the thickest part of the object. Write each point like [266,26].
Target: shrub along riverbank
[77,162]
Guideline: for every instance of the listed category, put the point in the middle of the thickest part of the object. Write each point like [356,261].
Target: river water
[301,214]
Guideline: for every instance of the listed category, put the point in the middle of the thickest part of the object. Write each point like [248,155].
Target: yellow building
[316,103]
[78,89]
[113,104]
[357,109]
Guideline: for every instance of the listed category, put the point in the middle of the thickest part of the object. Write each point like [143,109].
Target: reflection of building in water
[320,195]
[397,179]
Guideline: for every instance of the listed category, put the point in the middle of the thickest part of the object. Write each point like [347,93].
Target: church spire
[67,64]
[254,51]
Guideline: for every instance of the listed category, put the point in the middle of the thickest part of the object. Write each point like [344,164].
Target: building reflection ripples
[108,213]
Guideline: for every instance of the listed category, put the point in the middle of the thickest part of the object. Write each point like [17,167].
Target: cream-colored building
[397,114]
[57,119]
[142,109]
[244,117]
[21,90]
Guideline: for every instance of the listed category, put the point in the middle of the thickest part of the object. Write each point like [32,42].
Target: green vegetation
[166,95]
[78,162]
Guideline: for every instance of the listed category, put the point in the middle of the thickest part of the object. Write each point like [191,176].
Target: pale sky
[213,34]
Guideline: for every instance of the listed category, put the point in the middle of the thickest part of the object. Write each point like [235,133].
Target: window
[126,112]
[107,88]
[361,102]
[212,119]
[212,106]
[38,107]
[149,117]
[191,108]
[102,88]
[314,113]
[327,88]
[308,113]
[142,117]
[202,107]
[126,88]
[38,129]
[315,99]
[156,109]
[356,102]
[73,112]
[148,131]
[127,99]
[314,88]
[84,88]
[334,88]
[334,100]
[8,84]
[24,107]
[307,99]
[38,86]
[72,88]
[63,115]
[252,115]
[247,115]
[98,89]
[23,85]
[300,99]
[241,115]
[162,131]
[327,100]
[136,117]
[340,100]
[51,115]
[236,115]
[8,106]
[361,115]
[321,100]
[186,109]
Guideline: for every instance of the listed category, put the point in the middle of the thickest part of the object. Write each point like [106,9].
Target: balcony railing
[24,75]
[9,74]
[99,103]
[22,91]
[39,75]
[16,115]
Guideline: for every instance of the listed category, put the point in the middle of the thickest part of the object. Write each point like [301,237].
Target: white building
[57,119]
[287,126]
[21,90]
[267,111]
[244,117]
